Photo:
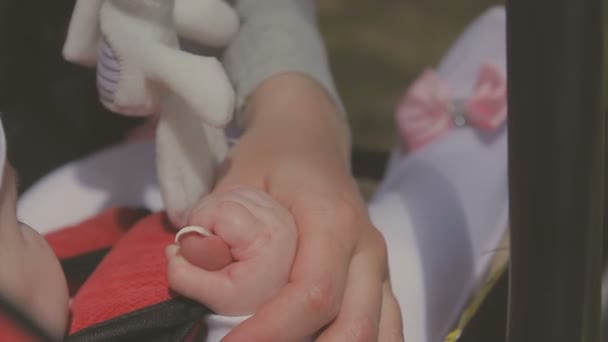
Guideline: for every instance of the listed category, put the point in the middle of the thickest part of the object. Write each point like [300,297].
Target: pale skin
[234,272]
[30,273]
[245,262]
[295,148]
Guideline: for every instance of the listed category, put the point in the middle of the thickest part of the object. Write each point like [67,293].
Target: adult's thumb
[209,252]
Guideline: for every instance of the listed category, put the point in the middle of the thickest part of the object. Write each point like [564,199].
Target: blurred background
[376,48]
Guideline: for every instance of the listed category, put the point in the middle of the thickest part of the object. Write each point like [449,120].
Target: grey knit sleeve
[276,36]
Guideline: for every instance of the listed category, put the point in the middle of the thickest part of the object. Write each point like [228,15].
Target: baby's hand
[244,260]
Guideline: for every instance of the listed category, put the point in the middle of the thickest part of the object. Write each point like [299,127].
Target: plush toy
[142,71]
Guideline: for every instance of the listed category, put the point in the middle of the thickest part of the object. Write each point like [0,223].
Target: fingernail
[192,229]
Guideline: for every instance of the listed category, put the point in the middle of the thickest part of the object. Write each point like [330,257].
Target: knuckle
[318,212]
[333,211]
[362,330]
[374,240]
[321,300]
[347,213]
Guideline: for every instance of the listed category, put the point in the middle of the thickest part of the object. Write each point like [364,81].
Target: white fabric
[453,196]
[390,214]
[442,210]
[124,175]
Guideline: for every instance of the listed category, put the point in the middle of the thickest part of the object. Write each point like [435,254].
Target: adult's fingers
[207,252]
[310,301]
[391,322]
[359,316]
[212,288]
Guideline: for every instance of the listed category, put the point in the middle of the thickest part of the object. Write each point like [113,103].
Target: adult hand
[240,259]
[295,147]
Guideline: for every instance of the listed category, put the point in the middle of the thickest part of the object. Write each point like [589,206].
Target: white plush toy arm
[82,42]
[198,81]
[208,22]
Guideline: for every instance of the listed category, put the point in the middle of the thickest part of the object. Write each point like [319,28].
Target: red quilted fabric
[131,277]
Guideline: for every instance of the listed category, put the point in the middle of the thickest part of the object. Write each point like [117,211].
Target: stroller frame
[557,169]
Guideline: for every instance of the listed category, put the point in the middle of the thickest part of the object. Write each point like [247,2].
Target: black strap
[77,269]
[174,320]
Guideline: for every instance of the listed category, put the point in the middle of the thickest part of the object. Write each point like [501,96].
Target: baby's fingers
[203,250]
[230,220]
[213,289]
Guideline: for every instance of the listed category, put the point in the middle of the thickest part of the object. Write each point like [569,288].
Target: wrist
[292,109]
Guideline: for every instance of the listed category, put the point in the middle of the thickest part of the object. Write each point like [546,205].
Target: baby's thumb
[201,249]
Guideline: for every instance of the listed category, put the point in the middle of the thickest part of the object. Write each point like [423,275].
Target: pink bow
[428,110]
